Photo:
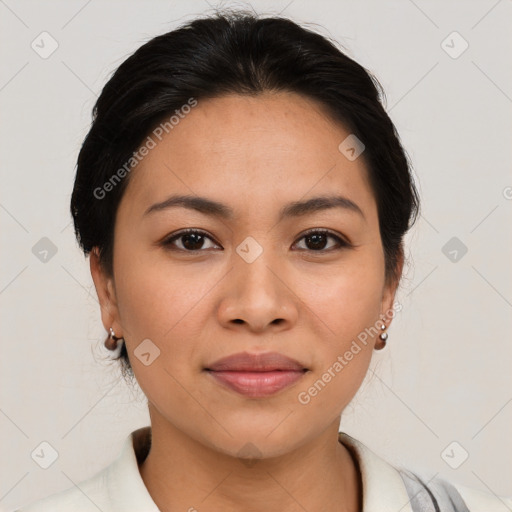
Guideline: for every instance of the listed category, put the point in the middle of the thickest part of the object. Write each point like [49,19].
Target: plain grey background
[441,390]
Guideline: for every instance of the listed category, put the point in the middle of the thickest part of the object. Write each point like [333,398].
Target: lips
[264,362]
[256,375]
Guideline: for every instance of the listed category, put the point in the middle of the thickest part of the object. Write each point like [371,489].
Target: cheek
[163,304]
[347,299]
[160,302]
[344,307]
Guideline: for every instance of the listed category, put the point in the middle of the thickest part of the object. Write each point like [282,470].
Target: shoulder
[443,495]
[387,488]
[481,501]
[118,486]
[89,495]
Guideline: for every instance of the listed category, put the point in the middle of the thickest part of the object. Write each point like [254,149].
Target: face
[252,279]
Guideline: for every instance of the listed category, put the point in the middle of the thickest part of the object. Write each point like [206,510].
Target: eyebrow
[216,209]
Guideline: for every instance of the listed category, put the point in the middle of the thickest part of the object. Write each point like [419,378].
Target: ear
[105,290]
[390,287]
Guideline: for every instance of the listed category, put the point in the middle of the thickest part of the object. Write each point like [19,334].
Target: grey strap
[437,496]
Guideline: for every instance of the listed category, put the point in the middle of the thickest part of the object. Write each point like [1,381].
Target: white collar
[383,487]
[127,489]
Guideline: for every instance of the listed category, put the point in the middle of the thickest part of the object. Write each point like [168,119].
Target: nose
[257,298]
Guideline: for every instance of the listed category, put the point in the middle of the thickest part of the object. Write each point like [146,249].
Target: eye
[192,240]
[317,240]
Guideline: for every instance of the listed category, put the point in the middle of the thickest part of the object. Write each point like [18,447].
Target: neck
[181,473]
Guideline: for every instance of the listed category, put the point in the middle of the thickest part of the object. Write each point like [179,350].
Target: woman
[243,197]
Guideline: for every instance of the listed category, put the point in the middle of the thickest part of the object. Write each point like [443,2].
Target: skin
[254,154]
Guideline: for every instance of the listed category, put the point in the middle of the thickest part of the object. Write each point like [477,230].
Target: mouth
[256,375]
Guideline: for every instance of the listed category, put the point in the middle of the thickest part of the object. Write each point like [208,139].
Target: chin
[254,441]
[249,451]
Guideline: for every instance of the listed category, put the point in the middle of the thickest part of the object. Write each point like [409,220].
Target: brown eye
[316,241]
[190,240]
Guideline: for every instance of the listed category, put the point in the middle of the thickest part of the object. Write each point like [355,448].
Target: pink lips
[257,375]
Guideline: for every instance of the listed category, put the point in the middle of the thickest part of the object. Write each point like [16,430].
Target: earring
[383,338]
[111,341]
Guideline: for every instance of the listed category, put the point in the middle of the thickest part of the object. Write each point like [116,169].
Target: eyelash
[343,244]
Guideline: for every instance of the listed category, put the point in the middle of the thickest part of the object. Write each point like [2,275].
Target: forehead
[250,151]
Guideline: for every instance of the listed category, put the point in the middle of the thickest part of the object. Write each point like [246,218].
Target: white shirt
[120,488]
